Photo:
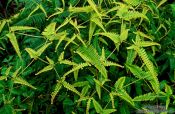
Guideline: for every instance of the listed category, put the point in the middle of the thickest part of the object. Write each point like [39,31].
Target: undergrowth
[87,56]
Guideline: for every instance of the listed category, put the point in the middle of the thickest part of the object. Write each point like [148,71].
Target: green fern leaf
[97,106]
[66,21]
[16,72]
[8,71]
[112,36]
[61,36]
[98,87]
[81,84]
[147,44]
[132,2]
[123,95]
[67,62]
[88,105]
[97,21]
[43,48]
[145,97]
[16,28]
[85,9]
[132,15]
[2,24]
[119,83]
[3,77]
[85,90]
[123,33]
[138,72]
[56,90]
[108,111]
[71,88]
[59,11]
[32,53]
[50,29]
[71,40]
[21,81]
[14,42]
[77,67]
[91,30]
[89,54]
[131,55]
[61,57]
[35,54]
[112,99]
[94,7]
[155,83]
[45,69]
[110,63]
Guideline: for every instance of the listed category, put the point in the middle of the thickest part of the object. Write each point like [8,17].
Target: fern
[90,55]
[97,21]
[56,90]
[21,81]
[88,105]
[138,72]
[47,68]
[97,106]
[123,95]
[71,88]
[119,83]
[133,2]
[77,67]
[14,42]
[155,83]
[86,9]
[146,97]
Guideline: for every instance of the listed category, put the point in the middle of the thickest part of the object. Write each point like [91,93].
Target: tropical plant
[87,56]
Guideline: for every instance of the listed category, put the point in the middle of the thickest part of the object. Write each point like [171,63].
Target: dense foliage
[87,56]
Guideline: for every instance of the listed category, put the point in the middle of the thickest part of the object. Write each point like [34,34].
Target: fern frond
[50,29]
[110,63]
[89,54]
[21,81]
[145,97]
[94,7]
[112,99]
[14,43]
[132,2]
[85,90]
[112,36]
[97,21]
[132,15]
[71,88]
[43,48]
[119,83]
[137,71]
[86,9]
[16,28]
[45,69]
[131,55]
[154,82]
[56,90]
[77,67]
[70,40]
[97,106]
[80,84]
[98,87]
[68,62]
[88,105]
[2,24]
[36,19]
[125,96]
